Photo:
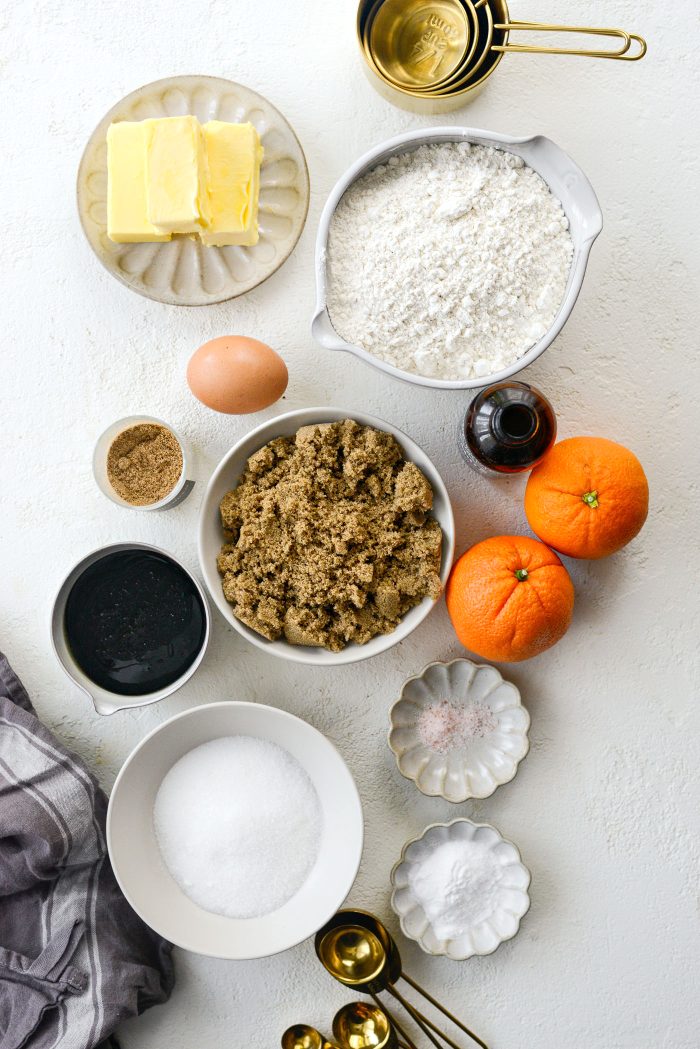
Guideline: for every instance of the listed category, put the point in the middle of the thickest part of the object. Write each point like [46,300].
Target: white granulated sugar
[457,884]
[450,261]
[238,824]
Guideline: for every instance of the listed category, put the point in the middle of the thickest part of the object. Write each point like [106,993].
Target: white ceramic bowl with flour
[139,862]
[565,181]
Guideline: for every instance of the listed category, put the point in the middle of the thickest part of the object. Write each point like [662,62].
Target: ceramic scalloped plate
[480,766]
[183,272]
[485,936]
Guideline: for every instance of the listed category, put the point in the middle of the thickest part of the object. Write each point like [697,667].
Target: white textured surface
[605,807]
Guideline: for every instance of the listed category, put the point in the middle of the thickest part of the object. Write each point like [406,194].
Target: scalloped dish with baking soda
[329,537]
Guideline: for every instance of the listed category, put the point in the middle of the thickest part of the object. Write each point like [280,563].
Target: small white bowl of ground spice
[459,730]
[141,463]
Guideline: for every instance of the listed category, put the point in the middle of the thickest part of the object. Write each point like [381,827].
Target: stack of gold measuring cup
[431,56]
[357,950]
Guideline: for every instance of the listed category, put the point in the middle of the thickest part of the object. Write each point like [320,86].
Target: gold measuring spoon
[358,951]
[301,1036]
[362,1026]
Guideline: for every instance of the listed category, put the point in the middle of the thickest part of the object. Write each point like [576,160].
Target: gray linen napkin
[75,960]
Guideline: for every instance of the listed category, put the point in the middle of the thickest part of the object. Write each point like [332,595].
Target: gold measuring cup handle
[621,54]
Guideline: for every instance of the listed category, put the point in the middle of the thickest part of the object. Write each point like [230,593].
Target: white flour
[450,261]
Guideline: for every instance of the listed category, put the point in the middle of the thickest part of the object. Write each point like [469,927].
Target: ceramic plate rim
[439,793]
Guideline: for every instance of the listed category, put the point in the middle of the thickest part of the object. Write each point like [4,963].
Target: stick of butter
[234,155]
[127,213]
[176,174]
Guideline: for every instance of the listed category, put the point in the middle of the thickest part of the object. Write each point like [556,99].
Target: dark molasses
[134,622]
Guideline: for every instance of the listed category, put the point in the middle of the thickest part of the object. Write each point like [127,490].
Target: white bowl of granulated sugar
[235,830]
[452,257]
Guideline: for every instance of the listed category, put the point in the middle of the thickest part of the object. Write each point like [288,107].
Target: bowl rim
[352,653]
[477,824]
[198,711]
[440,793]
[322,328]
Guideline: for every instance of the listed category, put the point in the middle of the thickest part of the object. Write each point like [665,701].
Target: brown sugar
[144,463]
[328,537]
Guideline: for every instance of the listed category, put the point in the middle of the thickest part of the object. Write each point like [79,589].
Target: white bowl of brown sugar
[326,536]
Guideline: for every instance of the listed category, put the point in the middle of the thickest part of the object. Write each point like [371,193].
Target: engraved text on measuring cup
[433,42]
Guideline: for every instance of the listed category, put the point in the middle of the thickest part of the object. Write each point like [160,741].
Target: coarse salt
[238,824]
[450,261]
[444,726]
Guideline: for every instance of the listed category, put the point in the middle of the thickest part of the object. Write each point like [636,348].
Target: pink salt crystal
[445,726]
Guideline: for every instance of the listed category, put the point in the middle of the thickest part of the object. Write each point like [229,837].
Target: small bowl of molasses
[130,625]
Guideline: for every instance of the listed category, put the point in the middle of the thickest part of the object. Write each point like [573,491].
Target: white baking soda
[238,824]
[457,884]
[450,261]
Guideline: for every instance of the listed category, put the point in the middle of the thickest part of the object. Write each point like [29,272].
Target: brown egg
[236,375]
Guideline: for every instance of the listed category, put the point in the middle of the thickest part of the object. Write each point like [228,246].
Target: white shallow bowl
[477,768]
[564,178]
[228,473]
[183,272]
[483,938]
[150,888]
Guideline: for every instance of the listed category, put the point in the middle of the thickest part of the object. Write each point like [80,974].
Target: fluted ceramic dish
[477,766]
[183,272]
[512,900]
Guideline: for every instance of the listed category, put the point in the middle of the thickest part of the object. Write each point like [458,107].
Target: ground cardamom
[144,463]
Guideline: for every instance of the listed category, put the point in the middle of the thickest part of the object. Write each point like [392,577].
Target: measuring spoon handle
[441,1008]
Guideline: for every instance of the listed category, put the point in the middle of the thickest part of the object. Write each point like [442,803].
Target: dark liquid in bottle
[508,427]
[134,622]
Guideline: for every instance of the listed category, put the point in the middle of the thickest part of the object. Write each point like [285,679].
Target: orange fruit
[587,498]
[509,598]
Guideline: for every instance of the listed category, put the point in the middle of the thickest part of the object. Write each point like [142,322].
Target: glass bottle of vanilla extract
[508,427]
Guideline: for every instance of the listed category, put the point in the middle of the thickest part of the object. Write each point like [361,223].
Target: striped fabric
[75,960]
